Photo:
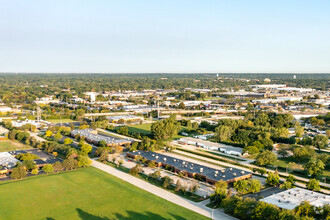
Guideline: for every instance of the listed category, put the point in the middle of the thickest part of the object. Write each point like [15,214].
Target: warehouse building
[93,137]
[193,170]
[291,198]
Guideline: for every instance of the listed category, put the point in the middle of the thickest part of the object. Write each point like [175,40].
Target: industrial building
[291,198]
[93,137]
[115,119]
[193,170]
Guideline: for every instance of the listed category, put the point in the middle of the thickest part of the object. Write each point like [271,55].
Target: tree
[35,171]
[291,179]
[84,161]
[263,210]
[241,186]
[57,166]
[254,185]
[167,182]
[273,179]
[156,174]
[48,168]
[29,164]
[265,157]
[18,172]
[299,130]
[71,152]
[178,185]
[86,148]
[283,150]
[286,185]
[103,143]
[314,167]
[223,133]
[195,126]
[251,150]
[320,141]
[181,105]
[165,129]
[305,209]
[27,156]
[70,163]
[58,136]
[220,192]
[48,133]
[301,153]
[68,141]
[103,156]
[313,184]
[136,170]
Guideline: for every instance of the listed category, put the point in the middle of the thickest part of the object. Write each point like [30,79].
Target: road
[196,207]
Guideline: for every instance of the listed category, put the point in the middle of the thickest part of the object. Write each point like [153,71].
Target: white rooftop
[291,198]
[7,160]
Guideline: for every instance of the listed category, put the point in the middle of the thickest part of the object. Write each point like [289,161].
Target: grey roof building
[194,170]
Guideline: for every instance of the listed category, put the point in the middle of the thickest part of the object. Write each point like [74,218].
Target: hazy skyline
[165,36]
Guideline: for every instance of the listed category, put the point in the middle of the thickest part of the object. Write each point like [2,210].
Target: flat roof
[7,160]
[224,174]
[291,198]
[87,133]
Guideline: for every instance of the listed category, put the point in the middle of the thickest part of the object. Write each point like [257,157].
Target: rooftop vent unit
[215,175]
[157,157]
[191,168]
[201,170]
[139,152]
[164,159]
[216,172]
[222,171]
[174,160]
[242,172]
[230,168]
[223,176]
[234,174]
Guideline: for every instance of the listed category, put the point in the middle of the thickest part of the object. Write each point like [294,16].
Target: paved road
[196,207]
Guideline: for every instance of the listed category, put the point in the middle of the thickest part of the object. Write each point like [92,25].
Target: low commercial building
[7,160]
[115,119]
[93,137]
[291,198]
[193,170]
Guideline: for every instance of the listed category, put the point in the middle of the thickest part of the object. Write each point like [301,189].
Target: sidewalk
[196,207]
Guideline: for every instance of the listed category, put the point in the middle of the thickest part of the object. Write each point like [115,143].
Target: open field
[64,120]
[142,129]
[84,194]
[9,145]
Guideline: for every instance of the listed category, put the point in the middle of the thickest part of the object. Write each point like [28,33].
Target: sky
[165,36]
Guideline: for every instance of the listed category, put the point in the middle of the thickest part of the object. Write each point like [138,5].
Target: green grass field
[84,194]
[9,145]
[145,129]
[64,120]
[142,129]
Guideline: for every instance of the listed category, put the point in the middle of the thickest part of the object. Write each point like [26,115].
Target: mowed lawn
[84,194]
[9,145]
[142,129]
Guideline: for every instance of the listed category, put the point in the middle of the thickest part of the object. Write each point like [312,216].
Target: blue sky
[141,36]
